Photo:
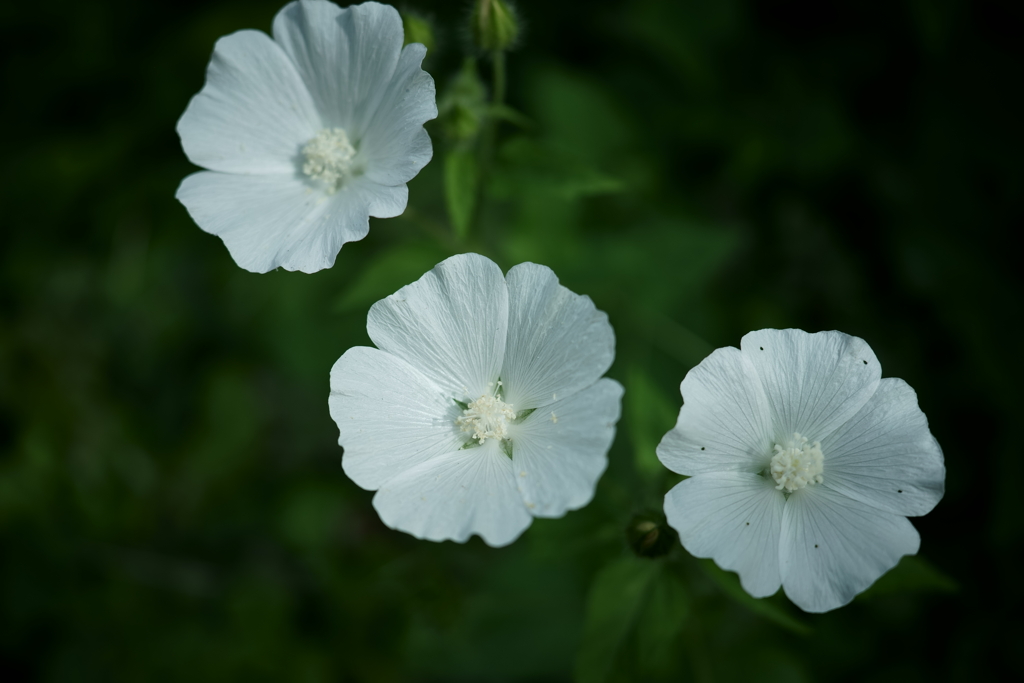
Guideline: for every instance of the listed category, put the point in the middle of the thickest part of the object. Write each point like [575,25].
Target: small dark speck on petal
[762,348]
[865,362]
[702,448]
[815,545]
[899,491]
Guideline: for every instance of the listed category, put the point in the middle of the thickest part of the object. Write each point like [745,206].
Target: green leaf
[730,585]
[503,112]
[615,601]
[586,182]
[670,263]
[417,29]
[545,170]
[912,574]
[677,341]
[581,115]
[461,177]
[388,272]
[650,414]
[661,621]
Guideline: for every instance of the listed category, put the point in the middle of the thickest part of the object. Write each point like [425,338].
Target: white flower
[307,134]
[483,405]
[803,465]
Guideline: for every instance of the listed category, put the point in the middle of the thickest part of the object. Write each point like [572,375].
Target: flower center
[486,418]
[797,464]
[329,158]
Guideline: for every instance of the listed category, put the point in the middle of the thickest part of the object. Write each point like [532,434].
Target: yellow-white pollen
[329,157]
[486,418]
[797,464]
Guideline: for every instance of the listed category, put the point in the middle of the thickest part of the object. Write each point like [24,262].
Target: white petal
[559,451]
[390,416]
[453,496]
[814,382]
[450,324]
[734,518]
[381,201]
[395,144]
[345,56]
[254,113]
[725,421]
[272,221]
[833,547]
[885,456]
[558,342]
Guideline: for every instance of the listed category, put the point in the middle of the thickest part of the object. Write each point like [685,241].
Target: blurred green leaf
[661,621]
[461,177]
[388,272]
[586,182]
[503,112]
[667,263]
[913,573]
[309,514]
[478,634]
[221,447]
[578,113]
[651,414]
[730,585]
[675,340]
[615,600]
[417,29]
[545,170]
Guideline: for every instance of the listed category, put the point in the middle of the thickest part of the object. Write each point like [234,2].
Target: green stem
[491,127]
[498,96]
[490,133]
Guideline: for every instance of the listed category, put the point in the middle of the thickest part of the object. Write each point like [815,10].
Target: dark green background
[171,501]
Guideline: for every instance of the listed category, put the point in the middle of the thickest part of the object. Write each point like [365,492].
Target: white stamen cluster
[797,464]
[329,158]
[486,418]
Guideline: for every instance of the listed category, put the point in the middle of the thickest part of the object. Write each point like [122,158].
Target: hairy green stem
[489,137]
[498,96]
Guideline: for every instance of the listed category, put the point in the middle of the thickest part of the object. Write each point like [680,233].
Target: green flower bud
[494,25]
[417,29]
[463,106]
[650,536]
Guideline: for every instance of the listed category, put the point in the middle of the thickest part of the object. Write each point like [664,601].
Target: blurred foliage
[171,501]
